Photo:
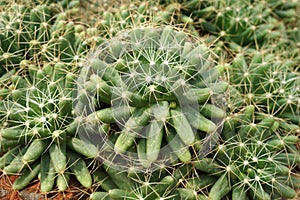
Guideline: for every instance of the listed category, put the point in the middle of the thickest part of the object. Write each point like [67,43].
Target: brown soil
[32,191]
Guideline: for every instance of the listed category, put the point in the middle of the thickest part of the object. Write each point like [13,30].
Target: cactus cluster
[169,99]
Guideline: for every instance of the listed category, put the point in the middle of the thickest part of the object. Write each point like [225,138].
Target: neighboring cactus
[36,34]
[244,22]
[65,4]
[35,115]
[253,162]
[36,96]
[155,87]
[124,15]
[293,34]
[270,82]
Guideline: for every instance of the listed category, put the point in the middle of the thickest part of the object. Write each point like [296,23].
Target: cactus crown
[142,69]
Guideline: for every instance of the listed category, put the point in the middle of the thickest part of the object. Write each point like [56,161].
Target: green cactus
[153,85]
[35,36]
[176,182]
[36,96]
[270,82]
[113,184]
[35,115]
[125,15]
[243,22]
[253,162]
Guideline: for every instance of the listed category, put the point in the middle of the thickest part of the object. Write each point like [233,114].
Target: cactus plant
[270,82]
[153,85]
[37,34]
[244,22]
[36,96]
[252,162]
[35,115]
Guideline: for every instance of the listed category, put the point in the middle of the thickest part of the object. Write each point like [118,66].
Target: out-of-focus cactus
[244,22]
